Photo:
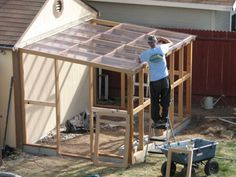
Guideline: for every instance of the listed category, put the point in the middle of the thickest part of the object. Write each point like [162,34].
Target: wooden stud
[109,111]
[141,113]
[40,103]
[130,111]
[96,149]
[95,85]
[172,96]
[91,103]
[180,88]
[104,22]
[23,96]
[57,100]
[142,106]
[17,98]
[189,81]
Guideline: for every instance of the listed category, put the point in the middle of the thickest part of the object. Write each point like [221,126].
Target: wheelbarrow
[203,154]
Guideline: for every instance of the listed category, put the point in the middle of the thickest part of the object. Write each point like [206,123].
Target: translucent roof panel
[115,47]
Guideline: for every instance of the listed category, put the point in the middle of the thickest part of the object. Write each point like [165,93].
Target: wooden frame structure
[114,46]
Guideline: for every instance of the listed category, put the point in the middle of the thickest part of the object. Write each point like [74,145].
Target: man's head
[152,41]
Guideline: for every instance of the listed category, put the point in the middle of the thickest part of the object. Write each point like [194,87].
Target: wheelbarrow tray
[202,150]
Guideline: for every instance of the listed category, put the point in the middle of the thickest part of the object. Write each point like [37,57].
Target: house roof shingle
[15,17]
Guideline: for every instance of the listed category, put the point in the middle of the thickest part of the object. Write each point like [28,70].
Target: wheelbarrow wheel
[172,169]
[211,167]
[184,172]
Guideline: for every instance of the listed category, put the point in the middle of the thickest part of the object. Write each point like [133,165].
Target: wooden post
[141,113]
[130,111]
[122,94]
[171,71]
[189,81]
[23,97]
[57,100]
[185,151]
[96,150]
[91,123]
[180,87]
[95,85]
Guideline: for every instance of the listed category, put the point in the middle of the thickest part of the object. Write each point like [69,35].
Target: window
[233,22]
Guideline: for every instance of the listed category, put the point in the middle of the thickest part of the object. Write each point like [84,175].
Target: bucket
[208,102]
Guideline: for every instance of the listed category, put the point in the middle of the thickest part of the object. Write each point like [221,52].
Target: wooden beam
[141,112]
[57,100]
[96,148]
[104,22]
[109,111]
[17,98]
[94,85]
[180,81]
[180,88]
[130,111]
[142,106]
[172,96]
[122,124]
[40,103]
[91,103]
[24,132]
[189,81]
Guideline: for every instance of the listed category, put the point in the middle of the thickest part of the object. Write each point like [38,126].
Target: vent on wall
[58,8]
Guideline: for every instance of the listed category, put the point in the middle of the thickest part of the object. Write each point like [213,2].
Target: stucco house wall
[170,17]
[6,72]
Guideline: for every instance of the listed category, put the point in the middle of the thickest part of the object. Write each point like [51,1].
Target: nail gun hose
[8,110]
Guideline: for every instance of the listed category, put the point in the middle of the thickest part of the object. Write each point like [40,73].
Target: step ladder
[158,141]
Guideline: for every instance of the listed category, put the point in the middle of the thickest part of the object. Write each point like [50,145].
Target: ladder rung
[155,138]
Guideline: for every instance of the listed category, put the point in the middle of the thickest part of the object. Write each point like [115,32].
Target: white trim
[172,4]
[234,6]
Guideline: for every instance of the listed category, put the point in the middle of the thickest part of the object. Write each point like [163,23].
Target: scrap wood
[224,120]
[220,117]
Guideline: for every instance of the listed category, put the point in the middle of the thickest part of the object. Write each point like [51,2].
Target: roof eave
[172,4]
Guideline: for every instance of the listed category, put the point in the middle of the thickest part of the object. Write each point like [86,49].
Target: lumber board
[141,106]
[91,103]
[104,22]
[40,103]
[224,120]
[23,97]
[172,73]
[189,81]
[141,112]
[57,101]
[219,117]
[180,87]
[108,111]
[130,111]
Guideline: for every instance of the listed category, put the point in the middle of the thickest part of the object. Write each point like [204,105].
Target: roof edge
[172,4]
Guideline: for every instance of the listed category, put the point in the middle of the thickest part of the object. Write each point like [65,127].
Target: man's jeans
[160,95]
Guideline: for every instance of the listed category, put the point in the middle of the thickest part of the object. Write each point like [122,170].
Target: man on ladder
[159,79]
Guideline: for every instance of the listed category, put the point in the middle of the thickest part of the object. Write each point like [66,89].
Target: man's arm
[164,40]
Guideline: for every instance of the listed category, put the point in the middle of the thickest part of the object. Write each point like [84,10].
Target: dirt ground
[28,165]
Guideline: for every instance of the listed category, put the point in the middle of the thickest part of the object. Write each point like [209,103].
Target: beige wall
[6,71]
[46,22]
[164,16]
[39,86]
